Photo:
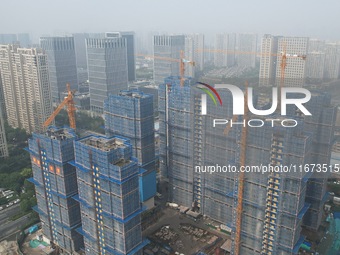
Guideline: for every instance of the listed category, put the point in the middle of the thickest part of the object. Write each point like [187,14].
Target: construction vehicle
[71,109]
[182,61]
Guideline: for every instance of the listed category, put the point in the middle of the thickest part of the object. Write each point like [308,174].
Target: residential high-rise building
[108,195]
[295,71]
[108,71]
[322,125]
[62,65]
[167,46]
[315,67]
[316,45]
[131,114]
[275,206]
[332,61]
[268,60]
[55,183]
[3,140]
[130,49]
[26,87]
[247,43]
[2,99]
[270,68]
[225,45]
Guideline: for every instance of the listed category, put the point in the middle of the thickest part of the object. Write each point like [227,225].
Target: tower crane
[242,162]
[71,109]
[182,61]
[241,177]
[283,64]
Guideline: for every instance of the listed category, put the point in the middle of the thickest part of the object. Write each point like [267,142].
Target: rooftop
[103,143]
[60,133]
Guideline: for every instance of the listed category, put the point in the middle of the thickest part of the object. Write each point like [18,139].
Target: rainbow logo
[208,89]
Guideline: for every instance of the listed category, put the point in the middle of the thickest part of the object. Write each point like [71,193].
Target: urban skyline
[162,129]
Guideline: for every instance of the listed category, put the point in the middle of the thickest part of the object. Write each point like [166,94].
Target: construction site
[266,212]
[99,208]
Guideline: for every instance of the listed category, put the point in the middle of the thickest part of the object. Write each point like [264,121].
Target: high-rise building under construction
[55,183]
[275,206]
[108,195]
[130,114]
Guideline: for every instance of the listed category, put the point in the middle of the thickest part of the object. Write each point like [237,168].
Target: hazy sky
[314,18]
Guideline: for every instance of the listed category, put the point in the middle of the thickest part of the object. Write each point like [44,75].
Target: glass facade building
[108,71]
[61,64]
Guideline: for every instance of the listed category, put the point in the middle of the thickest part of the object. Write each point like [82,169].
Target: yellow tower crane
[71,109]
[182,61]
[239,209]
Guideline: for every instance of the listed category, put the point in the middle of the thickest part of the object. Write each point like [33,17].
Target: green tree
[26,172]
[25,205]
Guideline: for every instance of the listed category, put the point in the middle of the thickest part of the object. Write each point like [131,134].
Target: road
[8,212]
[9,228]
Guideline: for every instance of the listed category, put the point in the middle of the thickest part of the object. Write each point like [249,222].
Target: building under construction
[108,195]
[130,114]
[275,207]
[55,183]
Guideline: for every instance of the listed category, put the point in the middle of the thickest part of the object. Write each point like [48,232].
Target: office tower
[167,46]
[275,207]
[108,195]
[315,67]
[295,72]
[225,50]
[247,43]
[81,59]
[268,58]
[131,114]
[8,38]
[131,51]
[80,49]
[107,65]
[61,64]
[24,40]
[55,183]
[26,87]
[332,61]
[131,54]
[3,140]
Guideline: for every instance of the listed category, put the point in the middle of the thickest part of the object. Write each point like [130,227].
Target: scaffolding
[56,182]
[130,114]
[109,195]
[275,207]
